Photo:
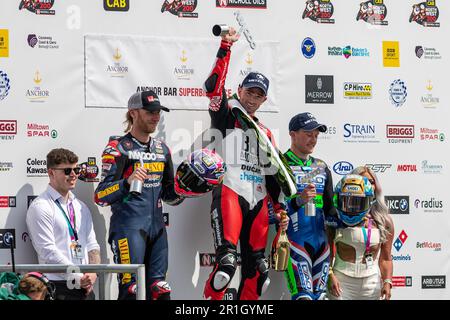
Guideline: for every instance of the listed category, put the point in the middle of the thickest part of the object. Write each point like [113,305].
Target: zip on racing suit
[307,272]
[137,231]
[239,210]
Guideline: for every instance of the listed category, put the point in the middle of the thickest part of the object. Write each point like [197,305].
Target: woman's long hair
[379,210]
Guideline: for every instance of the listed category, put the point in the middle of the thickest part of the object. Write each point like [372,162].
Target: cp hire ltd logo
[398,244]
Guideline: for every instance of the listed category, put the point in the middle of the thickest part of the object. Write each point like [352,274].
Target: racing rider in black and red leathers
[239,210]
[137,231]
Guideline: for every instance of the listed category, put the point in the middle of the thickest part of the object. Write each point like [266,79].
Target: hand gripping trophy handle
[281,250]
[220,30]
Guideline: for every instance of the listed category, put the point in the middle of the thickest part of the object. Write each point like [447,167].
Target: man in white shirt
[61,228]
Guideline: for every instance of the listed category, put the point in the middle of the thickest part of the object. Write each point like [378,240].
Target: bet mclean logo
[116,5]
[433,282]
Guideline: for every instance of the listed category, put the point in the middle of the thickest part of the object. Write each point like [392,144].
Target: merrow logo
[397,204]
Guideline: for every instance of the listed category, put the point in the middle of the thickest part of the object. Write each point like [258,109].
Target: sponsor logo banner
[427,134]
[308,48]
[348,51]
[180,8]
[357,90]
[398,244]
[432,205]
[7,238]
[361,133]
[402,281]
[116,5]
[342,168]
[7,202]
[255,4]
[397,204]
[5,166]
[427,53]
[42,42]
[434,246]
[373,12]
[391,54]
[379,167]
[319,89]
[429,167]
[4,43]
[319,11]
[114,65]
[399,133]
[433,282]
[8,129]
[426,14]
[38,6]
[5,85]
[36,167]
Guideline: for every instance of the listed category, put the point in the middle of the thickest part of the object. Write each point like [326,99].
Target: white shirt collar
[55,195]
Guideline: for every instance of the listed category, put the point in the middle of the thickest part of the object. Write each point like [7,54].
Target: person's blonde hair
[379,210]
[128,121]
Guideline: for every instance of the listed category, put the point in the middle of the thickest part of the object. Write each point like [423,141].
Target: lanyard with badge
[76,249]
[368,257]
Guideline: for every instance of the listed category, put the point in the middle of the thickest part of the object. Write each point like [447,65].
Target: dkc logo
[116,5]
[397,204]
[398,244]
[7,238]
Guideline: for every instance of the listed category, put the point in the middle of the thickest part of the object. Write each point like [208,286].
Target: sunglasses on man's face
[68,171]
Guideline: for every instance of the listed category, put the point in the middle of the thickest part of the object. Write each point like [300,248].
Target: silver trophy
[310,206]
[220,30]
[136,185]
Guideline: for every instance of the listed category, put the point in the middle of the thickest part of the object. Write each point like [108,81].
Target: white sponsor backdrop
[86,58]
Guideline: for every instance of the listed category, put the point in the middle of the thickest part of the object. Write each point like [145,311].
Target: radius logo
[429,205]
[342,167]
[308,48]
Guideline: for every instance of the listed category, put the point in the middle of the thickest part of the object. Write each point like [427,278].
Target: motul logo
[8,126]
[406,168]
[400,131]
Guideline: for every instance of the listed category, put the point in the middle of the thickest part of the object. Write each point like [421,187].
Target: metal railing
[138,269]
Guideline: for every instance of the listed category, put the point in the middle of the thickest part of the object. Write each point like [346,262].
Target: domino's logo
[400,241]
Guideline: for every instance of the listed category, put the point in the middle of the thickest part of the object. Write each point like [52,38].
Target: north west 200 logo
[426,14]
[373,12]
[38,6]
[319,11]
[180,8]
[254,4]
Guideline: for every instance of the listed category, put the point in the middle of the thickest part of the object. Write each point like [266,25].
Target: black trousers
[64,293]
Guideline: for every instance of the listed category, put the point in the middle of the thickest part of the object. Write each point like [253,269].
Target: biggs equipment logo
[399,133]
